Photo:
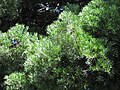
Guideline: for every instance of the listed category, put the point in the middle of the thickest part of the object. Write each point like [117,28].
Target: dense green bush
[16,81]
[101,18]
[67,56]
[70,57]
[40,64]
[13,48]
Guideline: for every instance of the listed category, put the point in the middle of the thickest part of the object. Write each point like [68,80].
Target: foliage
[9,13]
[40,63]
[84,47]
[15,81]
[67,56]
[76,8]
[74,55]
[101,18]
[9,8]
[13,46]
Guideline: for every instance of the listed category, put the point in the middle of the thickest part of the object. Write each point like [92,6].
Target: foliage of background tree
[9,12]
[9,8]
[36,14]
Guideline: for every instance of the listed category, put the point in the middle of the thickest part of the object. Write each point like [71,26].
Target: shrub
[39,64]
[14,45]
[101,19]
[15,81]
[71,57]
[67,56]
[86,46]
